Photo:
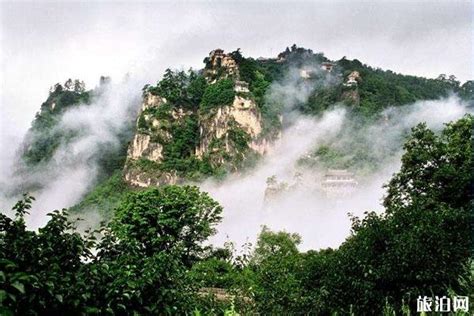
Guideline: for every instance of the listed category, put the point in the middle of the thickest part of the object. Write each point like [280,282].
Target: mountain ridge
[217,120]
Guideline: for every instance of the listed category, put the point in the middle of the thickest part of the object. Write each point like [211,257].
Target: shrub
[218,94]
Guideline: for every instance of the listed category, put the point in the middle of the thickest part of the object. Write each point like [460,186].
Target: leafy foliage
[379,89]
[438,167]
[151,258]
[178,128]
[421,244]
[181,88]
[218,94]
[178,154]
[139,265]
[276,263]
[38,268]
[168,218]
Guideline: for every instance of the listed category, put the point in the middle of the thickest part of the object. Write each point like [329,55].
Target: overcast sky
[44,43]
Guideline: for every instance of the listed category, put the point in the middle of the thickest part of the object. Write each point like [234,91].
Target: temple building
[338,183]
[218,60]
[328,66]
[241,86]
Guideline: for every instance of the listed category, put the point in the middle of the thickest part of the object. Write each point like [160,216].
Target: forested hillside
[43,138]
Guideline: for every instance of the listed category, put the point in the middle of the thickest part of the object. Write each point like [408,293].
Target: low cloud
[74,166]
[321,221]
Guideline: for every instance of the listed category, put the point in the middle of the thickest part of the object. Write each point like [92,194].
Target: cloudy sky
[43,43]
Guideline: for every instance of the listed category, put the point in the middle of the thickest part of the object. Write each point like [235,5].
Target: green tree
[40,270]
[184,89]
[145,256]
[421,244]
[169,218]
[139,266]
[218,94]
[197,87]
[435,167]
[276,263]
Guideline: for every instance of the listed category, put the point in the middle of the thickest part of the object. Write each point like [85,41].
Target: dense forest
[150,255]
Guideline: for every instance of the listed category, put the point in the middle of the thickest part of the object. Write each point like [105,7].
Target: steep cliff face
[195,132]
[143,146]
[242,114]
[139,177]
[351,96]
[240,118]
[145,152]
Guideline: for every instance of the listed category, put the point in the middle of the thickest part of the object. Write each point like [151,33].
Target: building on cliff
[338,183]
[220,63]
[328,66]
[241,86]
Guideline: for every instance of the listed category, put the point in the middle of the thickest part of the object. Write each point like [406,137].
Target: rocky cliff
[243,114]
[183,137]
[147,147]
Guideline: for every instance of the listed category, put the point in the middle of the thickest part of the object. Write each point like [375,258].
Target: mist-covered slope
[78,138]
[223,119]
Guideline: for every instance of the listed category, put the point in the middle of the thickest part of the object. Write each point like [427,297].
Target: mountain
[195,124]
[42,138]
[207,123]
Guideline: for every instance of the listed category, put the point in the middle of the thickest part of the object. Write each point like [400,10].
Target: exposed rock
[215,130]
[137,177]
[150,101]
[352,79]
[227,134]
[143,147]
[351,91]
[244,112]
[305,74]
[241,86]
[275,189]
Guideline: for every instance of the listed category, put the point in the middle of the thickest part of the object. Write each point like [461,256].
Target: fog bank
[321,221]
